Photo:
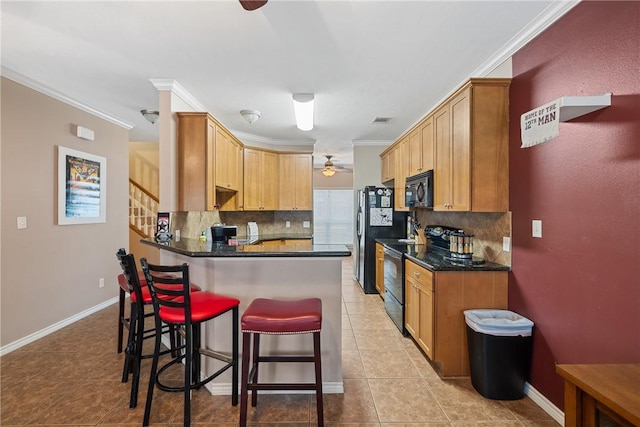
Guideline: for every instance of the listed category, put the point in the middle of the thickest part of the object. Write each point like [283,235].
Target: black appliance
[220,233]
[376,219]
[394,287]
[419,190]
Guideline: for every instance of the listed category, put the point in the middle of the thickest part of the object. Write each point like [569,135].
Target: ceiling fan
[330,169]
[252,4]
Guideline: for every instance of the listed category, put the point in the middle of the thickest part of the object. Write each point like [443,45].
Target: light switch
[306,224]
[506,244]
[536,228]
[22,222]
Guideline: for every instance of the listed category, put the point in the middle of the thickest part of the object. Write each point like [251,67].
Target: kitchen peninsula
[249,271]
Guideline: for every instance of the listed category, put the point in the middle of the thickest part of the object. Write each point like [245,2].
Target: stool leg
[188,373]
[234,356]
[318,366]
[121,299]
[137,356]
[255,367]
[130,350]
[154,372]
[246,350]
[195,367]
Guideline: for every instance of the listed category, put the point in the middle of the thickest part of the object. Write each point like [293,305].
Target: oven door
[394,287]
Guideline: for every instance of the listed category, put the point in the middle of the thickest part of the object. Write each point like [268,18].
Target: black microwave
[419,190]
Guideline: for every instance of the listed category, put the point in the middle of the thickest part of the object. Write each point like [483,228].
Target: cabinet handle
[415,273]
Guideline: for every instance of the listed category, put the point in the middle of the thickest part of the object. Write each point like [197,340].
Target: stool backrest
[169,286]
[130,271]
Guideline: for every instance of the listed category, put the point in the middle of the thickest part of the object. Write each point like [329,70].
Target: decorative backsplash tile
[192,224]
[488,230]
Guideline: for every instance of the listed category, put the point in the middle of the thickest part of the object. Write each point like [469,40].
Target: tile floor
[72,378]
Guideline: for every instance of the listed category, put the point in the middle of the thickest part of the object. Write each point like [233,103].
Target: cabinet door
[223,151]
[295,176]
[235,165]
[426,139]
[415,153]
[460,152]
[388,166]
[252,179]
[401,173]
[426,319]
[442,167]
[411,318]
[269,177]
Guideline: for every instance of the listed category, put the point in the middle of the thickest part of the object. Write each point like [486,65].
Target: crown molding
[537,25]
[46,90]
[272,141]
[372,142]
[175,87]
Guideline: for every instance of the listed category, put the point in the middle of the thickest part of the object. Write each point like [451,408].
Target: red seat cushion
[269,316]
[204,305]
[122,281]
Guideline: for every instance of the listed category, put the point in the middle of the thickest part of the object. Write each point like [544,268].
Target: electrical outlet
[101,282]
[306,224]
[22,222]
[287,224]
[536,228]
[506,244]
[177,234]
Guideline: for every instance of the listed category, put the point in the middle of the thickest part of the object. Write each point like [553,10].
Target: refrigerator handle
[359,224]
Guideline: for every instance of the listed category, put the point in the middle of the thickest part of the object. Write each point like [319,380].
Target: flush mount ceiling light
[151,115]
[251,116]
[303,109]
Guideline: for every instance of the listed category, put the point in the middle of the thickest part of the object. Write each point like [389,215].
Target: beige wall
[50,273]
[143,165]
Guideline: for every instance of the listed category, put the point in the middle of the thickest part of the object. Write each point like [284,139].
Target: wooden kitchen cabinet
[196,160]
[426,143]
[471,135]
[260,180]
[228,161]
[434,310]
[388,160]
[380,269]
[419,306]
[295,182]
[402,153]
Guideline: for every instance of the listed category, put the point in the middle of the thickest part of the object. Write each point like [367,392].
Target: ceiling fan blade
[252,4]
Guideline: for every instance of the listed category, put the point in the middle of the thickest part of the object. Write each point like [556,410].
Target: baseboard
[224,389]
[544,403]
[56,326]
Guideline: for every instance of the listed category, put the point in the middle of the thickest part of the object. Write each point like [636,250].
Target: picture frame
[82,187]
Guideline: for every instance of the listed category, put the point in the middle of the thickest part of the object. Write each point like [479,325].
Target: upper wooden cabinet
[296,182]
[260,180]
[196,155]
[388,166]
[402,157]
[229,161]
[465,140]
[472,158]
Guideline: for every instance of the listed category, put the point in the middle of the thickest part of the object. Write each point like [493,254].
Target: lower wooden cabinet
[380,269]
[434,311]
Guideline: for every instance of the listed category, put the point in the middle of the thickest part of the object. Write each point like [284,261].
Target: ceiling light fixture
[151,115]
[303,109]
[251,116]
[328,172]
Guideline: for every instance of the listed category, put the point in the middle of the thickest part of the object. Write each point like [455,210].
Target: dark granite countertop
[197,248]
[435,259]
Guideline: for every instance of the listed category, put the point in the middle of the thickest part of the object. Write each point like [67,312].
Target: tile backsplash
[192,224]
[488,230]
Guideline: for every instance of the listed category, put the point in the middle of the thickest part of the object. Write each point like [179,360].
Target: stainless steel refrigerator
[375,219]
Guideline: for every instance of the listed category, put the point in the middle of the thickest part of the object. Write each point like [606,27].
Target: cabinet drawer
[421,275]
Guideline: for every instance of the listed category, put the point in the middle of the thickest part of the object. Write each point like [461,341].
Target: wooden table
[611,389]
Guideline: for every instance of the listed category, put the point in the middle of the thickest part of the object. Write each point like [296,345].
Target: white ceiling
[362,59]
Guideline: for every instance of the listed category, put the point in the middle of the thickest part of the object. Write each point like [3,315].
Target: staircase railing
[143,210]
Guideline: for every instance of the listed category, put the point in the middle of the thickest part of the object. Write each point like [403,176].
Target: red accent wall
[579,283]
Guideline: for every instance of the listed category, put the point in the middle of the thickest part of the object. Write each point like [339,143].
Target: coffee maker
[220,233]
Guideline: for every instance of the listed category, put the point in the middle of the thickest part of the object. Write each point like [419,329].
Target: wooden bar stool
[276,317]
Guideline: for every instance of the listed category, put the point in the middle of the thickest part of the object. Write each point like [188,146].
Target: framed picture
[82,187]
